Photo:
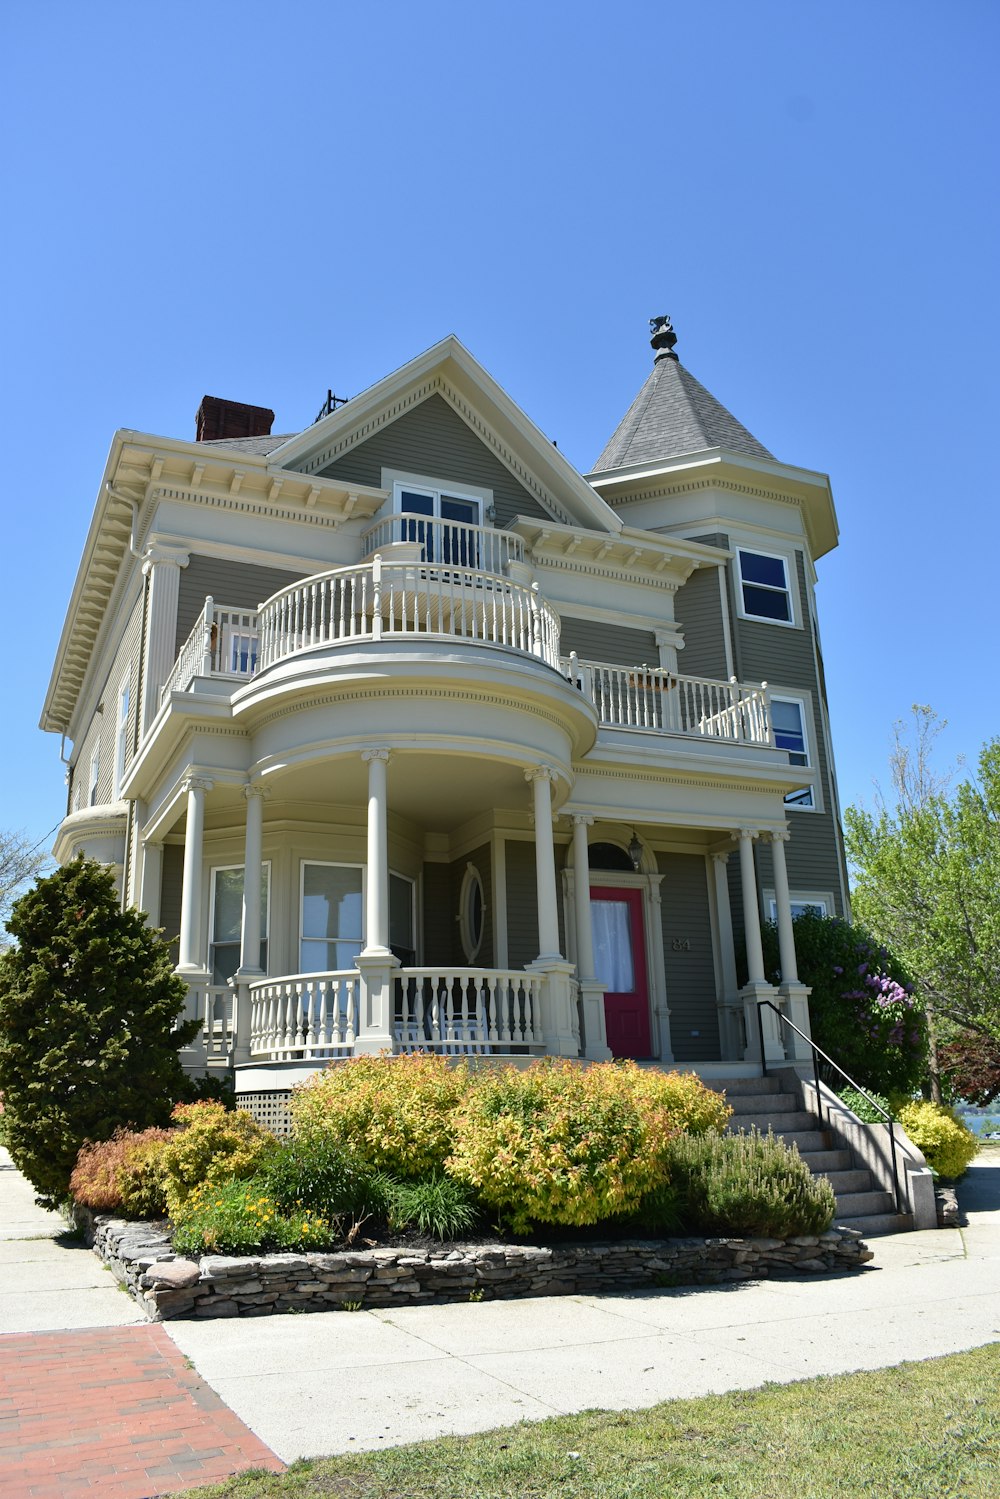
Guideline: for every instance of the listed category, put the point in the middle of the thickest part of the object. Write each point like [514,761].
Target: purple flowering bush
[863,1009]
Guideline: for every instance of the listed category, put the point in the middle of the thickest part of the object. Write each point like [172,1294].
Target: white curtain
[613,945]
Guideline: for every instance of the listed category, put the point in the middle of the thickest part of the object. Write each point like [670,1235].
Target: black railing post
[760,1034]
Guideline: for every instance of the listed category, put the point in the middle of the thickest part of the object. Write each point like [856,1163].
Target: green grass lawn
[926,1430]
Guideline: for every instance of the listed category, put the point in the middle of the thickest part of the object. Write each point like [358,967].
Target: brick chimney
[218,420]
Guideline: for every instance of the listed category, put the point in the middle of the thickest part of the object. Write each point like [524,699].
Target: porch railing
[382,600]
[454,1011]
[453,543]
[662,701]
[223,643]
[467,1010]
[305,1015]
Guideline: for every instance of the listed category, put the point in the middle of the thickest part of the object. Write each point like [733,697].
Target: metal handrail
[817,1052]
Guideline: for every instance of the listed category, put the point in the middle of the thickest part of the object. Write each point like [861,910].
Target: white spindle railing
[307,1015]
[216,1005]
[223,643]
[452,543]
[661,701]
[467,1010]
[380,600]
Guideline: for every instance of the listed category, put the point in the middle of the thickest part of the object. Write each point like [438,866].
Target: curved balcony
[454,543]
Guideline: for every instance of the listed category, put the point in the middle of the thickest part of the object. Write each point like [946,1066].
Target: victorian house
[408,734]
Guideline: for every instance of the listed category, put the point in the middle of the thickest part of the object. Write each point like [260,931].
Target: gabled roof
[674,414]
[451,370]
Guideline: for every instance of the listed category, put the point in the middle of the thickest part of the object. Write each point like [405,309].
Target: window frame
[351,864]
[121,733]
[812,805]
[95,777]
[265,936]
[792,622]
[472,881]
[820,900]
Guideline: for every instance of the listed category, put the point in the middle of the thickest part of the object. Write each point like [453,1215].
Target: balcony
[653,700]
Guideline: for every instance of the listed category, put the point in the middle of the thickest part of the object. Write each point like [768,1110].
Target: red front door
[620,965]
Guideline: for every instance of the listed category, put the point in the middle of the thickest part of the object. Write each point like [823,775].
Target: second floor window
[788,718]
[764,590]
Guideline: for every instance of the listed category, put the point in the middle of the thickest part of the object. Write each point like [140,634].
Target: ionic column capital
[540,773]
[721,857]
[382,752]
[745,835]
[160,555]
[256,788]
[581,820]
[780,835]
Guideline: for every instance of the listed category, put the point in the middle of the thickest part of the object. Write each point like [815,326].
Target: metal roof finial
[663,338]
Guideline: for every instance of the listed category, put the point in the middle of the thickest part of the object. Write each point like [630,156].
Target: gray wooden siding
[785,658]
[242,585]
[170,895]
[433,440]
[698,611]
[102,731]
[690,971]
[593,640]
[442,894]
[522,906]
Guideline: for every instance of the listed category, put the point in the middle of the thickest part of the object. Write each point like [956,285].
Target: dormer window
[438,519]
[764,590]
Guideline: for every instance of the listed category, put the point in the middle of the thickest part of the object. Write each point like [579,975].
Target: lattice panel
[269,1109]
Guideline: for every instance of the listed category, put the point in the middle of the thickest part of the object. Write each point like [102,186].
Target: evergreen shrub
[89,1006]
[948,1146]
[859,1105]
[393,1113]
[321,1173]
[559,1143]
[748,1183]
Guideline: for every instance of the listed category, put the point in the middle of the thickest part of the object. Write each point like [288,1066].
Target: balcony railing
[454,1011]
[223,643]
[453,543]
[660,701]
[384,600]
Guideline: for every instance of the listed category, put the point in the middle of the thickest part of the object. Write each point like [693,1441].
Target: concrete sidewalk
[339,1381]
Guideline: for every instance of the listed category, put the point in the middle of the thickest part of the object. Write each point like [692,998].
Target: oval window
[471,913]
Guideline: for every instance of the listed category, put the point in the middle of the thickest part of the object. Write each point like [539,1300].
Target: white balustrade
[452,543]
[216,1005]
[305,1015]
[223,643]
[381,600]
[464,1011]
[662,701]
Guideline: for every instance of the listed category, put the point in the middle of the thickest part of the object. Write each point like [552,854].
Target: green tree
[88,1010]
[20,861]
[862,1009]
[927,876]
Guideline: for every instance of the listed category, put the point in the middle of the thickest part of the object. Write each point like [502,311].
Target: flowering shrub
[948,1146]
[393,1113]
[748,1184]
[559,1143]
[212,1145]
[862,1008]
[690,1106]
[123,1175]
[238,1217]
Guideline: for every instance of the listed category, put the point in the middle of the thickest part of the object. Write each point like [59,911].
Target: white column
[545,865]
[377,907]
[150,881]
[250,933]
[581,891]
[162,567]
[730,1007]
[751,910]
[786,935]
[191,955]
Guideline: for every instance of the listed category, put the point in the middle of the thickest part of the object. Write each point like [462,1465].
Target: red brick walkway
[112,1413]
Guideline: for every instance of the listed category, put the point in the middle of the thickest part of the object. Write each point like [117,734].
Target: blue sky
[264,201]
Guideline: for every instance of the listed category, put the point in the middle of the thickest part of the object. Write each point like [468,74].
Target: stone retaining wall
[166,1285]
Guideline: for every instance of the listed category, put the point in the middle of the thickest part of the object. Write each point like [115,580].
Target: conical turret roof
[673,414]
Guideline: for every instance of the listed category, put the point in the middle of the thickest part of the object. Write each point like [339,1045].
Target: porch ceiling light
[635,851]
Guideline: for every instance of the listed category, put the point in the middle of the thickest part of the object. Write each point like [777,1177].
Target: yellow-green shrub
[123,1174]
[394,1113]
[691,1107]
[560,1143]
[212,1144]
[238,1217]
[947,1144]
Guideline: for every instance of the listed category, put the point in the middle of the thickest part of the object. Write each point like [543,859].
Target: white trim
[790,572]
[471,881]
[803,701]
[95,776]
[397,479]
[121,733]
[822,899]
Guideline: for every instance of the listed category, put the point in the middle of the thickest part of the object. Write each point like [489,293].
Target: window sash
[764,586]
[226,919]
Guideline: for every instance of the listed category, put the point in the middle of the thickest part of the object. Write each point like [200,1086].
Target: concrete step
[738,1086]
[870,1204]
[808,1140]
[779,1124]
[877,1223]
[763,1103]
[848,1180]
[822,1162]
